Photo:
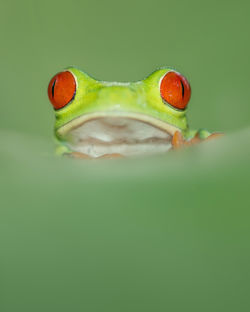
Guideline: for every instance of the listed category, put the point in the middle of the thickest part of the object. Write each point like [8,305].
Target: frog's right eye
[62,89]
[175,90]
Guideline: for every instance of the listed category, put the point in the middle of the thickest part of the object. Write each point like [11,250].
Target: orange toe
[177,140]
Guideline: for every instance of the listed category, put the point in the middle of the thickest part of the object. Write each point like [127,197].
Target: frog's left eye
[175,90]
[61,89]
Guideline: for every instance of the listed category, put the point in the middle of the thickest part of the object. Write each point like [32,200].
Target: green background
[168,233]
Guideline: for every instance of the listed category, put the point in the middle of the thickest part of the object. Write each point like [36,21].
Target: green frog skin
[98,119]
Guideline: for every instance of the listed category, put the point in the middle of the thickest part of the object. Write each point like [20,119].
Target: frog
[100,119]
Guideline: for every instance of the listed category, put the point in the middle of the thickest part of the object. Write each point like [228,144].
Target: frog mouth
[97,135]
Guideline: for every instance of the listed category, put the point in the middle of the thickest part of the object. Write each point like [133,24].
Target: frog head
[96,117]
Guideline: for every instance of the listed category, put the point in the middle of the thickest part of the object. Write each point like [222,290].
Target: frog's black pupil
[53,88]
[182,86]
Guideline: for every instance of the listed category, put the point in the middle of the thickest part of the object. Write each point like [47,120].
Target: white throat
[122,135]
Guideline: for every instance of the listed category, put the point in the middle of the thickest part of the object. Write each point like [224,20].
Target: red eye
[61,89]
[175,90]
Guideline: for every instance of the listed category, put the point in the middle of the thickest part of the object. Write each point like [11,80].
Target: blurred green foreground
[167,233]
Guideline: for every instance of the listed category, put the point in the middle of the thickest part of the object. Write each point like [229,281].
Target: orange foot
[178,140]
